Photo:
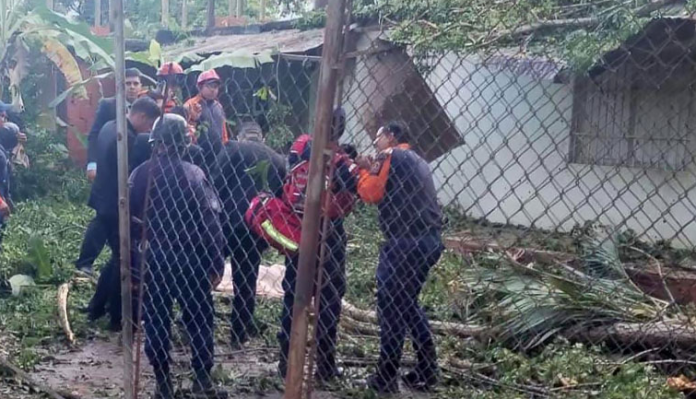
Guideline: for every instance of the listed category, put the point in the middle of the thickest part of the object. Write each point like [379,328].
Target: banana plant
[61,39]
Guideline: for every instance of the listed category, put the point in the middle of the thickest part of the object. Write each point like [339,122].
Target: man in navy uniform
[183,256]
[237,184]
[104,199]
[400,182]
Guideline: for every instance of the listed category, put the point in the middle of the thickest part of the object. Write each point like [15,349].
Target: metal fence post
[123,203]
[328,78]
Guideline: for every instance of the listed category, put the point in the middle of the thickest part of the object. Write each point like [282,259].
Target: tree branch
[586,22]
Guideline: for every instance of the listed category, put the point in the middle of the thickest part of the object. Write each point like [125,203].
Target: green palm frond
[531,303]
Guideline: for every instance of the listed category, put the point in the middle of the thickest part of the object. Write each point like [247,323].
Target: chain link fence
[525,223]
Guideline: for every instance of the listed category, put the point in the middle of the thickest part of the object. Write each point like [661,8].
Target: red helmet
[170,68]
[207,76]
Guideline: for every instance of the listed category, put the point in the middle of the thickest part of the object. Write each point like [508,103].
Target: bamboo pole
[328,77]
[124,206]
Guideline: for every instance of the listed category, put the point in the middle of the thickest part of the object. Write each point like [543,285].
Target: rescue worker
[184,255]
[104,199]
[207,116]
[170,74]
[400,183]
[96,235]
[344,181]
[237,182]
[10,136]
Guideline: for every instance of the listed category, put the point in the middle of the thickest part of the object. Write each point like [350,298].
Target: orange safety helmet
[207,76]
[170,68]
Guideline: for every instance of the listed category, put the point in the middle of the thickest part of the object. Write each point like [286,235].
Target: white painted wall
[513,166]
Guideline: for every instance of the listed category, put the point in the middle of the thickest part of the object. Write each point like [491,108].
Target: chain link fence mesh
[563,227]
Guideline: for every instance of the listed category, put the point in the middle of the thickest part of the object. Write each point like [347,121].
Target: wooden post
[263,10]
[184,14]
[123,198]
[165,13]
[211,16]
[328,76]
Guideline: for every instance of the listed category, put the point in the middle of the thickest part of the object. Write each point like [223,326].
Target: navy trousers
[402,271]
[332,291]
[192,291]
[93,243]
[245,250]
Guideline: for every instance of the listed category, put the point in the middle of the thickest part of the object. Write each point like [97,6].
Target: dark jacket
[409,208]
[194,155]
[183,228]
[104,195]
[237,182]
[106,112]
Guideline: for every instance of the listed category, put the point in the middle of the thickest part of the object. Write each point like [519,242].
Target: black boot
[425,375]
[422,381]
[203,388]
[164,388]
[381,386]
[326,368]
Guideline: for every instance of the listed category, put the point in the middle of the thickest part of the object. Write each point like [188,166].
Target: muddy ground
[93,368]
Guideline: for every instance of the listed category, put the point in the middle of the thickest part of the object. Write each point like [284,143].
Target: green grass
[32,319]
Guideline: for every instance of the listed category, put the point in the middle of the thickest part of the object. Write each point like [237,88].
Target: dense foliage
[575,31]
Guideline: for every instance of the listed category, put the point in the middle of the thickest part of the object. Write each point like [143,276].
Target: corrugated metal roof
[283,41]
[536,67]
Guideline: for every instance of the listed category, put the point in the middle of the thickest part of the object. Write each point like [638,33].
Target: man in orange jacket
[399,181]
[207,115]
[170,73]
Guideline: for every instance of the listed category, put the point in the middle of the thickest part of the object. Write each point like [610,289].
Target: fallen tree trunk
[355,327]
[439,327]
[27,379]
[465,246]
[654,334]
[63,291]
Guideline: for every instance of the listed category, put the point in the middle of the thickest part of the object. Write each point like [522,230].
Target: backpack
[274,220]
[295,186]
